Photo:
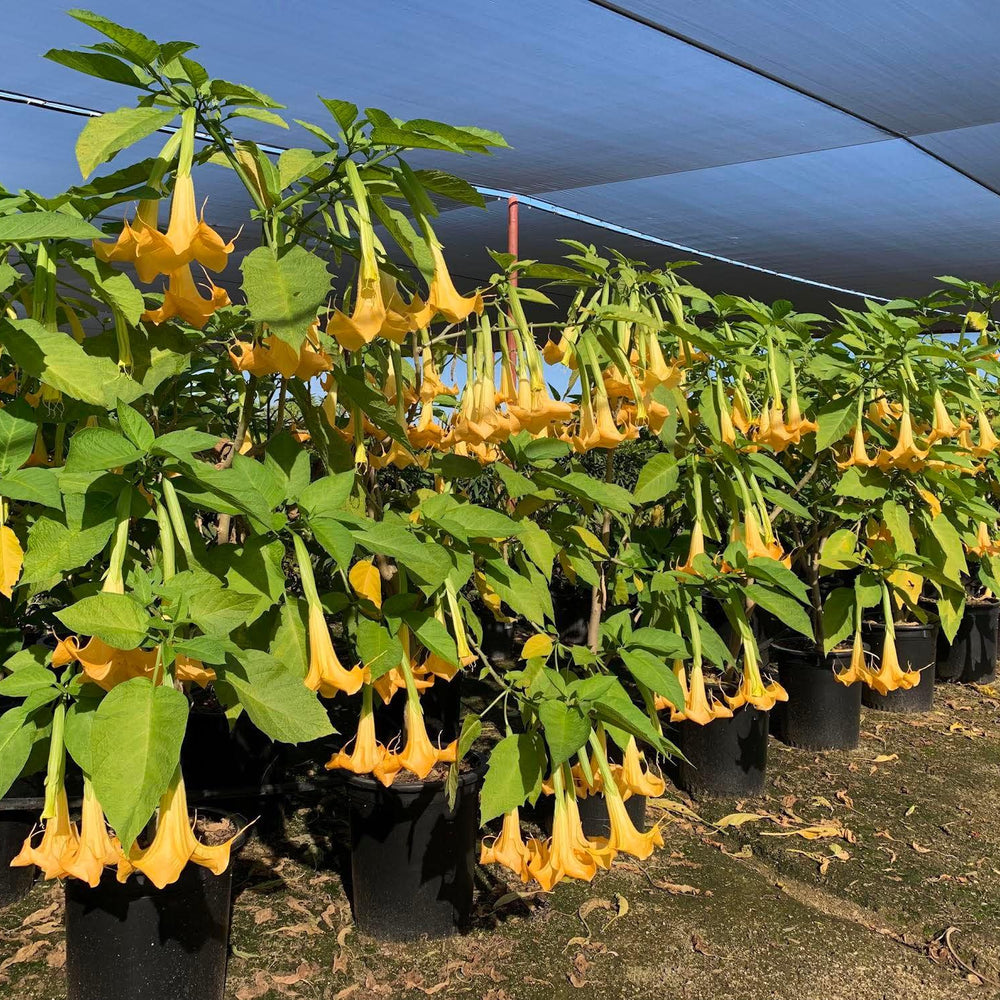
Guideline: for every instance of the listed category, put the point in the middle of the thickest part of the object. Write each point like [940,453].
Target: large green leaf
[566,729]
[58,360]
[835,419]
[17,735]
[657,478]
[379,651]
[118,619]
[54,547]
[427,560]
[285,291]
[838,617]
[135,745]
[95,449]
[515,774]
[32,485]
[275,699]
[110,133]
[17,437]
[786,609]
[653,672]
[25,227]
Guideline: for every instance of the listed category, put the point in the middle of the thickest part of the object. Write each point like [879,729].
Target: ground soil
[897,898]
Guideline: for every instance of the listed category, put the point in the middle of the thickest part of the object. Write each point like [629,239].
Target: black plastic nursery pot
[972,657]
[728,757]
[916,647]
[412,856]
[821,713]
[131,940]
[594,814]
[15,825]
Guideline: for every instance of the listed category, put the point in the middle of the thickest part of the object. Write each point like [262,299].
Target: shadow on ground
[749,908]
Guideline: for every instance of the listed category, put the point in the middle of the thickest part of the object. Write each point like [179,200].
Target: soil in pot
[15,825]
[728,757]
[972,657]
[412,855]
[131,940]
[916,647]
[821,713]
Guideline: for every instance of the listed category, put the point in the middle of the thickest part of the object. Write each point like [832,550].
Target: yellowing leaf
[11,558]
[591,541]
[538,645]
[885,758]
[819,832]
[366,581]
[738,819]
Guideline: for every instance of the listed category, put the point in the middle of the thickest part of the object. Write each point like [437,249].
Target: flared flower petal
[509,848]
[183,300]
[59,844]
[326,674]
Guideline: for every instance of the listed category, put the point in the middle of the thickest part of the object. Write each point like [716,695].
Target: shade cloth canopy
[850,144]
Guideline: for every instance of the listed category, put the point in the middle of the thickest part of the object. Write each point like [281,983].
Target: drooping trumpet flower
[182,299]
[698,707]
[59,844]
[984,546]
[988,441]
[420,756]
[905,455]
[696,547]
[509,848]
[442,298]
[174,843]
[752,689]
[368,752]
[125,249]
[943,427]
[624,836]
[634,779]
[97,848]
[890,676]
[567,853]
[858,668]
[859,455]
[274,356]
[326,673]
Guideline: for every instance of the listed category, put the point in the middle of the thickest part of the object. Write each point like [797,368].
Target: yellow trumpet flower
[97,848]
[634,778]
[890,676]
[697,705]
[984,545]
[174,844]
[188,238]
[326,673]
[695,548]
[508,849]
[419,756]
[59,844]
[858,456]
[858,668]
[943,427]
[442,298]
[905,454]
[368,752]
[368,316]
[125,250]
[988,441]
[182,299]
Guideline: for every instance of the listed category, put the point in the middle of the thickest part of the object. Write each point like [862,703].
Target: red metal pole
[512,234]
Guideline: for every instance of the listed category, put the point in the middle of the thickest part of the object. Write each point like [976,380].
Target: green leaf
[835,419]
[104,67]
[183,444]
[545,450]
[658,640]
[220,611]
[871,485]
[788,611]
[286,291]
[951,605]
[839,550]
[28,227]
[450,186]
[95,449]
[136,427]
[29,678]
[17,735]
[118,619]
[103,137]
[289,645]
[516,484]
[515,774]
[838,617]
[57,359]
[32,485]
[379,651]
[135,43]
[343,112]
[335,538]
[55,547]
[433,636]
[135,746]
[947,537]
[296,163]
[275,699]
[566,729]
[427,560]
[79,731]
[260,115]
[657,478]
[653,672]
[17,438]
[328,496]
[468,520]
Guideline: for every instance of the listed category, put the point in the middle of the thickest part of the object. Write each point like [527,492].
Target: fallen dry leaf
[885,758]
[676,889]
[738,819]
[919,848]
[39,915]
[25,953]
[820,831]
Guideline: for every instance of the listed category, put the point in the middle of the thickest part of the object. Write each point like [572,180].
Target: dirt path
[908,846]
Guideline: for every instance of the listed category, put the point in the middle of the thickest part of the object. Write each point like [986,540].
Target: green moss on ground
[730,913]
